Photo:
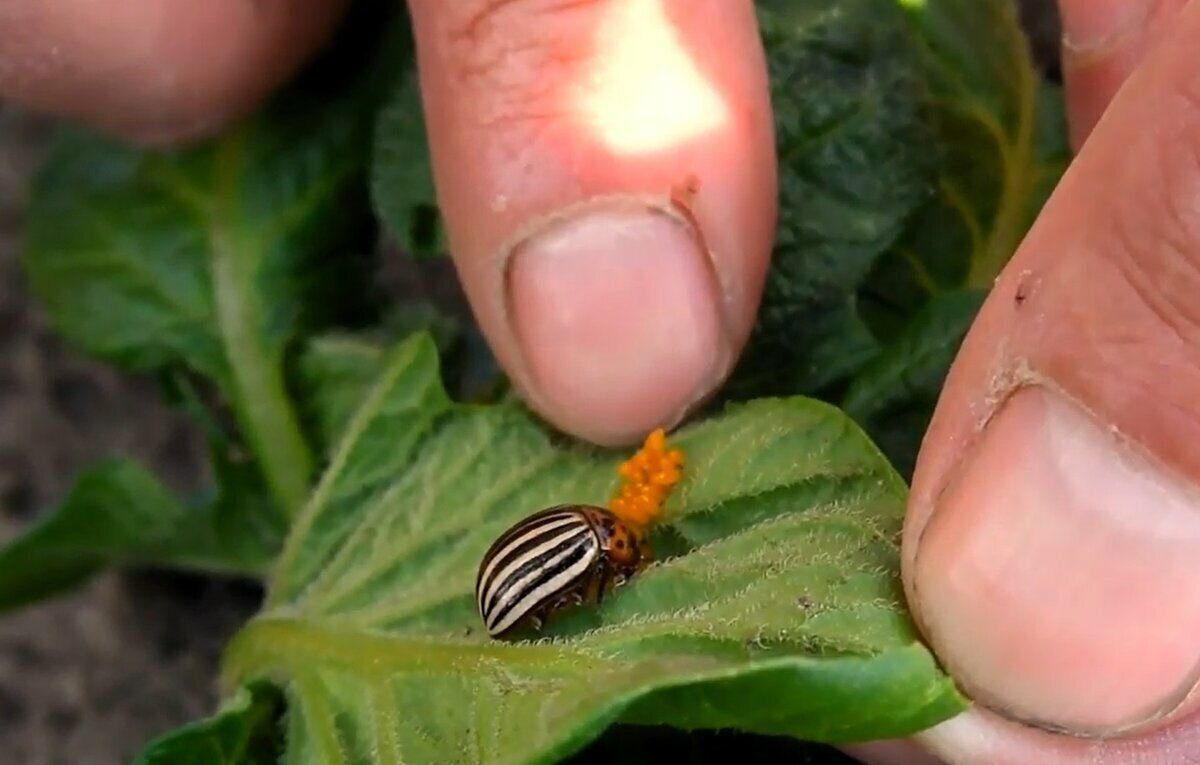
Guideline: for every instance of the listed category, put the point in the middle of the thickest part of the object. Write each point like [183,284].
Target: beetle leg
[602,586]
[571,598]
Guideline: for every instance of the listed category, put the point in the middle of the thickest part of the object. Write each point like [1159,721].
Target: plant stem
[259,396]
[1011,214]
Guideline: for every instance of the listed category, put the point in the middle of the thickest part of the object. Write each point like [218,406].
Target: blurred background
[88,678]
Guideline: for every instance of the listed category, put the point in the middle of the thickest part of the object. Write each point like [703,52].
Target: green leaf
[1004,140]
[245,731]
[218,257]
[894,397]
[118,513]
[336,371]
[334,374]
[855,161]
[247,526]
[1002,143]
[842,345]
[775,607]
[402,187]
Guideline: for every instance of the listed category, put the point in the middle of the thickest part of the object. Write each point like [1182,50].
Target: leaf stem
[924,279]
[259,396]
[1009,225]
[278,647]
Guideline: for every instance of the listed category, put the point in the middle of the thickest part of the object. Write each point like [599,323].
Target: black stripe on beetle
[561,556]
[519,544]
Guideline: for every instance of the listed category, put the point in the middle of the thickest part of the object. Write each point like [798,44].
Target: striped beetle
[562,556]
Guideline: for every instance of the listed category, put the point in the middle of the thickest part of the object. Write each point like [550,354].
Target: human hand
[562,161]
[1056,534]
[157,73]
[1050,550]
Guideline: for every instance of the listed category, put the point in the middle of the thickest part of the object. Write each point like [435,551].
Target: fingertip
[1052,521]
[542,119]
[1042,573]
[155,73]
[1103,42]
[618,318]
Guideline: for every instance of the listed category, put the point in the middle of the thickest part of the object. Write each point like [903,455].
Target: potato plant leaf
[216,258]
[334,373]
[401,174]
[1003,139]
[775,607]
[245,731]
[856,159]
[402,190]
[1002,145]
[118,513]
[893,398]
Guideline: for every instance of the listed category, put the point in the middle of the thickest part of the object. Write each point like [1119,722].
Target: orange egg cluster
[646,479]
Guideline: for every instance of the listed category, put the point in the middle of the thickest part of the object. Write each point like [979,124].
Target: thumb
[160,73]
[606,173]
[1052,545]
[1103,41]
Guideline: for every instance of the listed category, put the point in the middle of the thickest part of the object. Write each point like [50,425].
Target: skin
[1047,551]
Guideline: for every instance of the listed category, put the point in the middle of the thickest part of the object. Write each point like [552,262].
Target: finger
[1050,550]
[905,752]
[981,738]
[159,72]
[606,172]
[1103,40]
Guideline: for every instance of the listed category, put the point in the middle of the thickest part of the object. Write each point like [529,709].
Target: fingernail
[617,313]
[1096,26]
[1058,578]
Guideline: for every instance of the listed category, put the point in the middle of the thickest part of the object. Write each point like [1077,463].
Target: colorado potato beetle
[568,555]
[562,556]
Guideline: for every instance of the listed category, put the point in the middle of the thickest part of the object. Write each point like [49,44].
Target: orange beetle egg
[646,479]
